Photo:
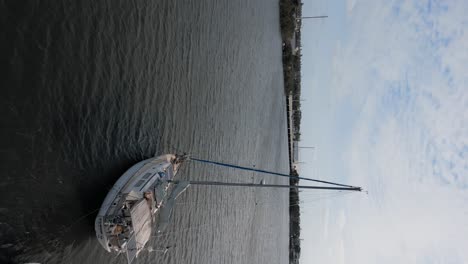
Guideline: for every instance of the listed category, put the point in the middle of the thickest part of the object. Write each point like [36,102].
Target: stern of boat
[102,238]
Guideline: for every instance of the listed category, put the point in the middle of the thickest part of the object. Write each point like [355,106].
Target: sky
[385,85]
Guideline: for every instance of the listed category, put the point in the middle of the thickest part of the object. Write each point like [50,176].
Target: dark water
[91,87]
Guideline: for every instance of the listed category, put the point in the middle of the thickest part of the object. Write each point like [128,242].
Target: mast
[314,17]
[269,172]
[358,189]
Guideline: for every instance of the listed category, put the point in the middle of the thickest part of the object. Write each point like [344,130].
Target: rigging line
[313,204]
[88,214]
[267,172]
[270,185]
[311,197]
[66,229]
[326,196]
[303,202]
[181,166]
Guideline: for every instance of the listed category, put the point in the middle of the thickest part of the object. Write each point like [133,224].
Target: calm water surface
[91,88]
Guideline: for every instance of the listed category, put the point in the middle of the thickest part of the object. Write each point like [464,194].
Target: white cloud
[400,84]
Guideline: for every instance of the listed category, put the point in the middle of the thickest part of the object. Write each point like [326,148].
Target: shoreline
[290,26]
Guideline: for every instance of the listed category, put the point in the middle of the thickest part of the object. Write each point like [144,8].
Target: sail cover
[141,221]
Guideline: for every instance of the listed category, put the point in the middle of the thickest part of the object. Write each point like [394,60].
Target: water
[91,88]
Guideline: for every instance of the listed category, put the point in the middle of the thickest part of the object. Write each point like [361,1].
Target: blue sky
[386,90]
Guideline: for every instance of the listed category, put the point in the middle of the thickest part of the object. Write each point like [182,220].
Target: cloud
[400,86]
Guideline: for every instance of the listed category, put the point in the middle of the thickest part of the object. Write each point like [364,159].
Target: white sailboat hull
[138,179]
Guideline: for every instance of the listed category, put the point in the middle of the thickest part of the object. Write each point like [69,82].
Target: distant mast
[314,17]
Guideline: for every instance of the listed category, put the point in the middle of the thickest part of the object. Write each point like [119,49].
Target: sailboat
[142,200]
[144,192]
